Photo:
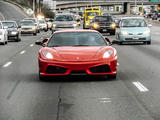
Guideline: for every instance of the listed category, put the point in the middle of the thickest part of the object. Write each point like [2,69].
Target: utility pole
[33,8]
[136,6]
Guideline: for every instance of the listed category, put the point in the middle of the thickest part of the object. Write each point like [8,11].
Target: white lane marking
[7,64]
[105,101]
[141,87]
[104,98]
[31,45]
[22,52]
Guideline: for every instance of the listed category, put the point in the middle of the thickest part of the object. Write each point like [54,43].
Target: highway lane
[134,95]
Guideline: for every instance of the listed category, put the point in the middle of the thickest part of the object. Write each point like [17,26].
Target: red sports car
[72,52]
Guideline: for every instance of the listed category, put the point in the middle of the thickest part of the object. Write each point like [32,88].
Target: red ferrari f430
[79,52]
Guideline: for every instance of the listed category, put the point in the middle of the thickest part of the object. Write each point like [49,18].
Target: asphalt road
[134,95]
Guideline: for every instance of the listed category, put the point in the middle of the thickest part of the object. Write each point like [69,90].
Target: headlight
[74,25]
[54,25]
[146,32]
[14,32]
[95,25]
[33,28]
[124,32]
[47,54]
[107,54]
[113,26]
[87,23]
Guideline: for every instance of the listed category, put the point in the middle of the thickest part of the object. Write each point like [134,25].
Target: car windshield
[133,23]
[64,18]
[92,13]
[41,21]
[103,19]
[30,19]
[9,24]
[27,23]
[76,39]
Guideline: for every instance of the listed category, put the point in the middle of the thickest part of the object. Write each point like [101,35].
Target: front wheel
[34,34]
[112,76]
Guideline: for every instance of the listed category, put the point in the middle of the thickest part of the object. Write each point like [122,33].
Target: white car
[43,25]
[3,34]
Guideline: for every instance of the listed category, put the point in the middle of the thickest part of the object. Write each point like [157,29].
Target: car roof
[8,21]
[132,18]
[64,14]
[72,30]
[26,20]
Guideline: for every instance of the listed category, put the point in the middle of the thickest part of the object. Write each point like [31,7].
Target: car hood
[134,29]
[78,53]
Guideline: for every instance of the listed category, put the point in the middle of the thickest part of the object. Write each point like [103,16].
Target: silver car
[64,21]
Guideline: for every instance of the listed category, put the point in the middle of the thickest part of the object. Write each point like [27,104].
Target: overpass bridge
[81,4]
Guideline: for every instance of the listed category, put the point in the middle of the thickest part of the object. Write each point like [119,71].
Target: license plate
[135,38]
[104,30]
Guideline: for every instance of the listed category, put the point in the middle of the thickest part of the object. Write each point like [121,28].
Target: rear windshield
[92,13]
[76,39]
[103,19]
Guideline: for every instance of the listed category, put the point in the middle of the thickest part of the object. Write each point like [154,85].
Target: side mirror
[149,25]
[108,41]
[42,42]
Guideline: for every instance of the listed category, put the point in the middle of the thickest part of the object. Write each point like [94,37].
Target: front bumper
[68,68]
[28,31]
[134,38]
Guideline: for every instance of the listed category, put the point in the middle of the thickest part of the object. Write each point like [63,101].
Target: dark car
[104,24]
[14,32]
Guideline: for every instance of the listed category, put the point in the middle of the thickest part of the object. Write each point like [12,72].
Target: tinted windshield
[64,18]
[77,39]
[27,23]
[92,14]
[41,21]
[9,24]
[133,23]
[103,19]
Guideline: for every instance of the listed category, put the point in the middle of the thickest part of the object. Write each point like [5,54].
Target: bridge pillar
[127,8]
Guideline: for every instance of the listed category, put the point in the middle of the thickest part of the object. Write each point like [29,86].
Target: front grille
[26,28]
[135,39]
[100,69]
[78,73]
[56,70]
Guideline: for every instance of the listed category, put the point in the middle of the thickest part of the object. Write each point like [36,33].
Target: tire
[6,42]
[84,26]
[112,76]
[41,77]
[34,34]
[148,42]
[120,42]
[112,32]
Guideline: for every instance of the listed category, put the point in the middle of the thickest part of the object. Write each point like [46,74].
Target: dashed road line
[31,45]
[22,52]
[7,64]
[141,87]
